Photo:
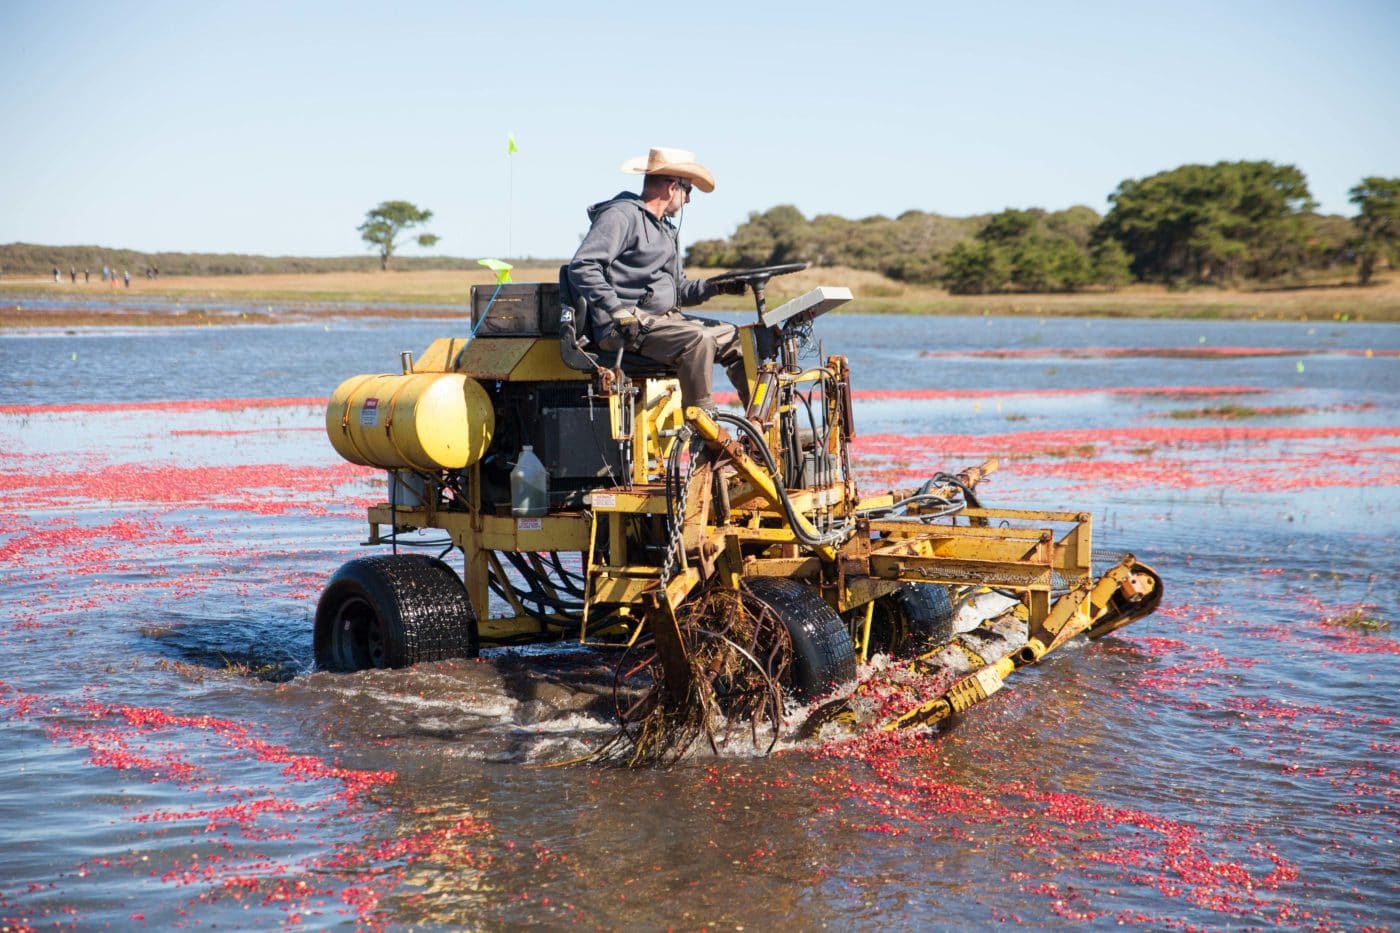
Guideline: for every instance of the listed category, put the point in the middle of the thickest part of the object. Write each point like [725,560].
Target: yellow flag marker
[502,269]
[511,149]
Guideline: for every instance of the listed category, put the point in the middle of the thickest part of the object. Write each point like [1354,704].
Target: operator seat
[575,337]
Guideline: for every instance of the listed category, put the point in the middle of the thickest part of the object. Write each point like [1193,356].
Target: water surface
[172,510]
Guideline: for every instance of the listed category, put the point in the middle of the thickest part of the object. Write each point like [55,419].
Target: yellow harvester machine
[731,561]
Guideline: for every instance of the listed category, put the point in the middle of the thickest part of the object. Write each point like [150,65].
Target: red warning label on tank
[369,415]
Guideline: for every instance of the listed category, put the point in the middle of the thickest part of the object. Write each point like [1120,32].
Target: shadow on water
[269,648]
[521,699]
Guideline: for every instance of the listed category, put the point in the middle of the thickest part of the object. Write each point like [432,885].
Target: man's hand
[730,287]
[628,327]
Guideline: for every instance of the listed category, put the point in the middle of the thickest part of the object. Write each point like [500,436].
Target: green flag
[511,147]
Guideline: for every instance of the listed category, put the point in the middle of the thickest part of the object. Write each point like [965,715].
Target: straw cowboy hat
[675,162]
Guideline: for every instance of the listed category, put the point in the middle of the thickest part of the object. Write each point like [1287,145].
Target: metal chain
[675,544]
[848,478]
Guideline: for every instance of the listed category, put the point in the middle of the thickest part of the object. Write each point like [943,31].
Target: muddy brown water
[172,510]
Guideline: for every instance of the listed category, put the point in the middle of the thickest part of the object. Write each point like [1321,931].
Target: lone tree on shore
[1378,224]
[383,225]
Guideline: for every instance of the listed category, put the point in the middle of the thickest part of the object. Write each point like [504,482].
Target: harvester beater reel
[738,652]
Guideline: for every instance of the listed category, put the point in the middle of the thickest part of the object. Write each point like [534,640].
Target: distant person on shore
[104,273]
[126,278]
[73,274]
[86,277]
[55,275]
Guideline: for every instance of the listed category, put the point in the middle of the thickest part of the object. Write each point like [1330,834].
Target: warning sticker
[990,680]
[529,524]
[369,415]
[604,500]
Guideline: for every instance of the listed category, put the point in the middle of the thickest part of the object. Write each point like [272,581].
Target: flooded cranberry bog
[173,509]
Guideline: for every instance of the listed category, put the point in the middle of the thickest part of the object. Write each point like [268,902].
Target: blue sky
[272,127]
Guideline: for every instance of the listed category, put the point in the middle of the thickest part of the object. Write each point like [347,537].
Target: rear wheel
[912,620]
[393,610]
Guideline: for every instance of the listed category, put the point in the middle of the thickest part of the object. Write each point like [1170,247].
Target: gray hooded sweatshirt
[630,258]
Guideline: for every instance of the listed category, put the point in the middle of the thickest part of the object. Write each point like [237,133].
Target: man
[628,269]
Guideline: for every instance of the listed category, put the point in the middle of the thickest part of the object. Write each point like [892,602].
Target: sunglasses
[685,185]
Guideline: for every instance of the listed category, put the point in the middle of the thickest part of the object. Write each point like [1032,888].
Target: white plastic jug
[529,485]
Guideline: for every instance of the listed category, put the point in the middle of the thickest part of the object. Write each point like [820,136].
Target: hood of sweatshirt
[622,197]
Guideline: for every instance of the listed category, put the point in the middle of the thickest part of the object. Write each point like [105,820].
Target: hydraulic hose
[949,479]
[830,538]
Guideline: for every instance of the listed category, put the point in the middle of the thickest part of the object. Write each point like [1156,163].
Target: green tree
[1070,266]
[1208,223]
[917,268]
[1032,263]
[1075,223]
[1112,266]
[1034,249]
[1043,250]
[1329,241]
[1378,224]
[710,253]
[976,267]
[1045,264]
[908,247]
[1008,226]
[775,236]
[385,223]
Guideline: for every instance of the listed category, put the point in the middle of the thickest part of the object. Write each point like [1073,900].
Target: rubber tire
[823,655]
[393,610]
[913,620]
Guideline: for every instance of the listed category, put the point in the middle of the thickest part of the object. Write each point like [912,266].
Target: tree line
[31,259]
[1193,225]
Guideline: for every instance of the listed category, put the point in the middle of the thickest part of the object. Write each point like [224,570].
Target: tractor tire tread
[928,609]
[823,654]
[421,604]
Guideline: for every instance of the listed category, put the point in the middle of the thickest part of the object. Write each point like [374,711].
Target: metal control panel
[809,306]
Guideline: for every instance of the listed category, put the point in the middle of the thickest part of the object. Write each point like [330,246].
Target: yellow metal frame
[1031,552]
[1073,614]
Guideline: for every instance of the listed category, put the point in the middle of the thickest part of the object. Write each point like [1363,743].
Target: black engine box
[527,309]
[575,443]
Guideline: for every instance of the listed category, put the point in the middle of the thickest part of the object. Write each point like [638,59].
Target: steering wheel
[758,276]
[757,279]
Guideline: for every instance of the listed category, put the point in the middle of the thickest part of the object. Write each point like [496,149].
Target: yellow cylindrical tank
[423,421]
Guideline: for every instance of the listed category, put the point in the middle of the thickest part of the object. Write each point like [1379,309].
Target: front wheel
[823,655]
[912,620]
[393,610]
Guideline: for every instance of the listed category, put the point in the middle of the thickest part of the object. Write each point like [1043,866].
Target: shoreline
[270,299]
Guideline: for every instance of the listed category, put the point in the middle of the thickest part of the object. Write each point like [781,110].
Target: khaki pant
[693,345]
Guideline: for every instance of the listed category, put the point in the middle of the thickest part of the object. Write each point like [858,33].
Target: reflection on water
[172,758]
